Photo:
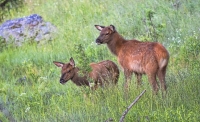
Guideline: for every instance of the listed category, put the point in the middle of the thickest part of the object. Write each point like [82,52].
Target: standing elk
[103,73]
[150,58]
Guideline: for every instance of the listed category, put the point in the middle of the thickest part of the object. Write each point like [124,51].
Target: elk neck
[78,80]
[116,43]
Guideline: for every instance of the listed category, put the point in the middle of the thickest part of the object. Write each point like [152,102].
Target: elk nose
[62,80]
[98,41]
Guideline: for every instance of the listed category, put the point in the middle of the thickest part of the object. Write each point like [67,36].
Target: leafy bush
[81,58]
[7,5]
[189,53]
[40,97]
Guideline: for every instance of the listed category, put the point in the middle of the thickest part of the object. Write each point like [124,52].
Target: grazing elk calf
[150,58]
[103,73]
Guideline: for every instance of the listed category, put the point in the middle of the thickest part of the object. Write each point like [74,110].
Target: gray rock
[30,28]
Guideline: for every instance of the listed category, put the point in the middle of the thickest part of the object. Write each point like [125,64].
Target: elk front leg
[128,76]
[139,77]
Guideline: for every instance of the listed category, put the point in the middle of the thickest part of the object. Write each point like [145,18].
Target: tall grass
[29,87]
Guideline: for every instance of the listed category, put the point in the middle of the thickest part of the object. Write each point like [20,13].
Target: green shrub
[40,97]
[7,5]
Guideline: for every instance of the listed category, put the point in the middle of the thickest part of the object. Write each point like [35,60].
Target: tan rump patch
[163,62]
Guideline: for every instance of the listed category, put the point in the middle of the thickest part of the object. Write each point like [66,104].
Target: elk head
[67,70]
[105,34]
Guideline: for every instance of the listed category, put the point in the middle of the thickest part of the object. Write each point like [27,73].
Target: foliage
[153,31]
[2,44]
[189,54]
[29,79]
[82,59]
[7,5]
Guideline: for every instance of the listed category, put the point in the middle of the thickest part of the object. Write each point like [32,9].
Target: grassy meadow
[29,81]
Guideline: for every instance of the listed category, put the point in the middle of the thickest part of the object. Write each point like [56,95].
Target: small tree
[7,5]
[82,58]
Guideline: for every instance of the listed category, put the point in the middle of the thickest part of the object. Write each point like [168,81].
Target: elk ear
[99,27]
[58,64]
[112,27]
[72,62]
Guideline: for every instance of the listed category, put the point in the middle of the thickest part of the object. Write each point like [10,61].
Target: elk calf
[105,72]
[150,58]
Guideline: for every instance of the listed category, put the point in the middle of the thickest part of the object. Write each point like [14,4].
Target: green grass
[29,81]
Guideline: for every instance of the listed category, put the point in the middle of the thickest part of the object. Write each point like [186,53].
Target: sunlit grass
[29,81]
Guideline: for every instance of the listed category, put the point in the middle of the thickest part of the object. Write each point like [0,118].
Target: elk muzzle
[98,41]
[62,81]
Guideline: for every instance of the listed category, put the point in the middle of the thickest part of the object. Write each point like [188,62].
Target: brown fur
[102,73]
[137,57]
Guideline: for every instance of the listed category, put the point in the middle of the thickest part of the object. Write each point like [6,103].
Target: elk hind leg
[153,82]
[161,76]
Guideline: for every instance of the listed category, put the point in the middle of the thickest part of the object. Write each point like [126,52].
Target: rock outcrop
[30,28]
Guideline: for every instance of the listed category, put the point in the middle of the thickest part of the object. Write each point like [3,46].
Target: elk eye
[107,33]
[69,71]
